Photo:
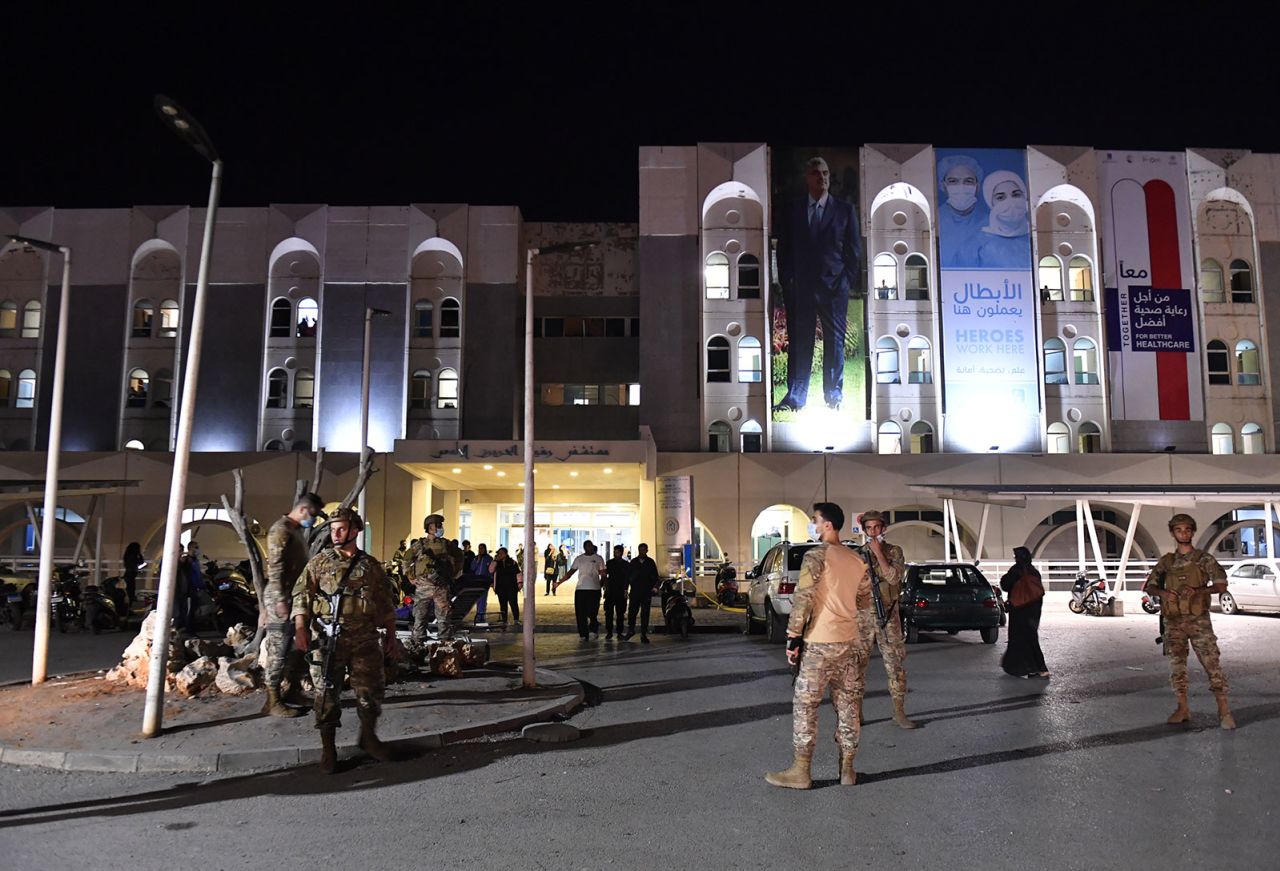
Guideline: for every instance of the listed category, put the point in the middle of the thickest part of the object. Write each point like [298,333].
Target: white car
[773,586]
[1252,586]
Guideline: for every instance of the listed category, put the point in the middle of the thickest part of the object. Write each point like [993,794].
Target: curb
[246,761]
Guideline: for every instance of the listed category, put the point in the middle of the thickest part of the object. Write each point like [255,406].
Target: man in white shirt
[586,601]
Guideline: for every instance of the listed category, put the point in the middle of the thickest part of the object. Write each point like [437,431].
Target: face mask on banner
[962,196]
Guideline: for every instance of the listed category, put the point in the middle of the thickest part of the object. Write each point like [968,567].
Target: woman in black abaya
[1022,585]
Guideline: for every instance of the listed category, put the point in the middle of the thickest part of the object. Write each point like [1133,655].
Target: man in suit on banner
[819,251]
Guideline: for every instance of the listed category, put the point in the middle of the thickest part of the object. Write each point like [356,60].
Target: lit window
[581,394]
[304,389]
[1241,281]
[884,276]
[621,394]
[162,389]
[169,312]
[921,438]
[1080,275]
[423,314]
[1084,361]
[1058,439]
[1247,371]
[8,319]
[1090,438]
[750,367]
[1051,279]
[633,394]
[142,316]
[887,362]
[890,441]
[134,445]
[1219,360]
[553,394]
[1055,361]
[6,386]
[281,319]
[450,321]
[1251,439]
[274,445]
[717,276]
[139,381]
[919,367]
[752,437]
[308,318]
[718,360]
[718,435]
[31,320]
[1221,439]
[277,389]
[26,389]
[748,277]
[420,390]
[917,277]
[1211,283]
[448,382]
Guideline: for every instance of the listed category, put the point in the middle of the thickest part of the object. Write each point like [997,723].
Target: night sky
[545,105]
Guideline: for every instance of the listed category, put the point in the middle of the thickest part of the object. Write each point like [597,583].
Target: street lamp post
[190,131]
[369,314]
[40,654]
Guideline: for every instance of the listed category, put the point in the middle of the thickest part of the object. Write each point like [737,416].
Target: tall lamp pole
[369,314]
[40,654]
[190,131]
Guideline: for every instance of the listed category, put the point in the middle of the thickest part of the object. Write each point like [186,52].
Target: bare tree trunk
[240,523]
[320,532]
[304,487]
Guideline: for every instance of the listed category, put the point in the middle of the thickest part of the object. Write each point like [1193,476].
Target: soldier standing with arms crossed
[1184,580]
[286,558]
[833,620]
[366,607]
[891,569]
[431,567]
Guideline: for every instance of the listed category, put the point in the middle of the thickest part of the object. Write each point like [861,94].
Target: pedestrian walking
[549,569]
[1025,595]
[891,570]
[286,558]
[829,637]
[505,572]
[617,579]
[590,568]
[480,573]
[642,583]
[132,563]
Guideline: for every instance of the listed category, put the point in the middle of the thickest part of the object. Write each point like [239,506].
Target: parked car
[951,597]
[1252,586]
[772,588]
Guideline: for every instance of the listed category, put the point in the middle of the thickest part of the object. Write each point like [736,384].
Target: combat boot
[328,751]
[369,741]
[275,706]
[900,715]
[795,777]
[1183,713]
[847,775]
[1224,713]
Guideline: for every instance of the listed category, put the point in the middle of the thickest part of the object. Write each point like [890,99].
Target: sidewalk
[555,614]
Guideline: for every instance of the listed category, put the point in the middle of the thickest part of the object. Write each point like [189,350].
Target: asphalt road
[1004,773]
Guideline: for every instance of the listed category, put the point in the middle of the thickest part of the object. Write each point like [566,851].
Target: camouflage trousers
[361,660]
[893,650]
[841,665]
[278,642]
[1196,632]
[424,596]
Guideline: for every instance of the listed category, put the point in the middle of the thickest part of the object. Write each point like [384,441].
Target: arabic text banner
[1151,307]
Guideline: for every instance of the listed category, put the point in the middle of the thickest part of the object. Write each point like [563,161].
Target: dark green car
[949,597]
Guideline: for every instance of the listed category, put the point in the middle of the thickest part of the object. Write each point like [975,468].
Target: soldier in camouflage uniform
[832,618]
[1185,580]
[360,652]
[891,569]
[286,558]
[431,567]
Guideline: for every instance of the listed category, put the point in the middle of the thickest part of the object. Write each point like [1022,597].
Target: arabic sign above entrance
[451,451]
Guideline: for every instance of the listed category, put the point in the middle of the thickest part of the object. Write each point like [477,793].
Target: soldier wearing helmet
[431,565]
[1185,579]
[891,570]
[286,558]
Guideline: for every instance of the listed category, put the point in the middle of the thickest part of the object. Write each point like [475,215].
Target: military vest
[1187,575]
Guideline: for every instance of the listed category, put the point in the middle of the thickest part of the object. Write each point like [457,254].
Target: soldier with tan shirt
[832,615]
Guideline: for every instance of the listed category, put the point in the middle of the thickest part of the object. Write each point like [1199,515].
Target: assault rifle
[330,630]
[864,551]
[1160,581]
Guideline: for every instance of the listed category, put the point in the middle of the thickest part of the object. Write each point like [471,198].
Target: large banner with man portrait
[817,302]
[991,395]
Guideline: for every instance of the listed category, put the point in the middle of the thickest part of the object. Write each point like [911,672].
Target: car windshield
[948,576]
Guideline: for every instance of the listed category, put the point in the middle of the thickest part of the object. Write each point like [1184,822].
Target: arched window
[718,435]
[1211,284]
[1220,439]
[139,382]
[8,319]
[921,438]
[308,318]
[917,277]
[890,441]
[1055,361]
[162,389]
[1058,439]
[1251,439]
[884,276]
[423,315]
[1080,278]
[1247,371]
[750,361]
[142,316]
[1241,281]
[748,277]
[752,437]
[1084,361]
[1090,438]
[1219,362]
[420,390]
[169,318]
[277,389]
[134,445]
[450,319]
[304,389]
[6,387]
[716,276]
[26,389]
[887,362]
[281,319]
[1051,279]
[448,388]
[31,320]
[274,445]
[919,364]
[718,360]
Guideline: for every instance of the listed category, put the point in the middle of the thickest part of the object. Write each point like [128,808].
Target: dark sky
[544,105]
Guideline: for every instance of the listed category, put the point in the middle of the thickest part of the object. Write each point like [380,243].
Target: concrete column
[648,517]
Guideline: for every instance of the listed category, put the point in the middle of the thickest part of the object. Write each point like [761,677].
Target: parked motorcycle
[234,599]
[102,610]
[65,601]
[676,613]
[1089,596]
[727,585]
[1150,603]
[19,603]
